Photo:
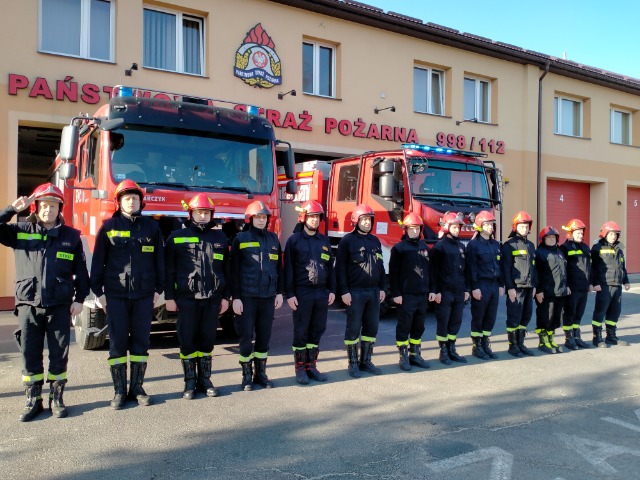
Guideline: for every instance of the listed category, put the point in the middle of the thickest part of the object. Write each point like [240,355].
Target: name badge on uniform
[324,256]
[273,256]
[64,255]
[218,256]
[148,248]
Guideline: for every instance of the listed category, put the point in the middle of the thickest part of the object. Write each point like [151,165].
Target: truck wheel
[91,320]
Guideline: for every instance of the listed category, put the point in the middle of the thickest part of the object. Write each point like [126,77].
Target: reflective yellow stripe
[273,256]
[139,358]
[368,339]
[486,333]
[610,251]
[451,337]
[351,342]
[246,359]
[64,255]
[186,240]
[324,256]
[117,361]
[118,233]
[188,357]
[32,378]
[62,376]
[518,252]
[218,256]
[30,236]
[476,334]
[574,252]
[260,355]
[311,345]
[249,244]
[297,349]
[415,341]
[441,339]
[148,248]
[400,343]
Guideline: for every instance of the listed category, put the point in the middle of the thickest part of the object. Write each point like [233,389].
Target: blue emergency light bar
[445,150]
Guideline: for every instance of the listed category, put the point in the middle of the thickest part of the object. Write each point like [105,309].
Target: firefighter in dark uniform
[578,255]
[484,268]
[309,286]
[551,268]
[196,259]
[51,284]
[361,281]
[450,286]
[127,278]
[520,281]
[608,275]
[409,283]
[256,287]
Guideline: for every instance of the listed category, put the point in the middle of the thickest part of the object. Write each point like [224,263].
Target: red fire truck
[426,180]
[173,146]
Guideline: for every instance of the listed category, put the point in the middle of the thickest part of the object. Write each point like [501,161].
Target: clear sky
[602,34]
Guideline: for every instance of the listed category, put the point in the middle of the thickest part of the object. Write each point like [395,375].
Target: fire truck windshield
[448,180]
[191,159]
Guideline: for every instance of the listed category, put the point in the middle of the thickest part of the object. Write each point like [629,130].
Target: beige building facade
[566,136]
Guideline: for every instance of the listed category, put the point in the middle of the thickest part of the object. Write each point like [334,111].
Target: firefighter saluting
[127,277]
[309,285]
[195,262]
[410,285]
[256,288]
[608,274]
[51,284]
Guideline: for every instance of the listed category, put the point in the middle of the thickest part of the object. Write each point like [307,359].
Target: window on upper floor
[620,127]
[477,99]
[78,28]
[428,90]
[568,116]
[319,69]
[173,41]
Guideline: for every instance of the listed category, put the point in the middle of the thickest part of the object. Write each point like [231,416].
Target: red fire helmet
[609,227]
[573,225]
[128,186]
[360,211]
[412,220]
[448,219]
[256,208]
[483,217]
[547,232]
[201,202]
[46,191]
[521,217]
[310,207]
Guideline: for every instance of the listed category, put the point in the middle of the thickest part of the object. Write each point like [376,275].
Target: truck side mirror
[291,187]
[67,171]
[290,164]
[69,143]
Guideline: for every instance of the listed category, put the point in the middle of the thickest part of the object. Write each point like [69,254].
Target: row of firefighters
[201,277]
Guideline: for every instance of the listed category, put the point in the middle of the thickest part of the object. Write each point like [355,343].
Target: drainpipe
[539,175]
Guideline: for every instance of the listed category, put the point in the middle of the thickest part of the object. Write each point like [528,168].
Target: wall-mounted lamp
[619,202]
[134,66]
[377,110]
[474,120]
[282,95]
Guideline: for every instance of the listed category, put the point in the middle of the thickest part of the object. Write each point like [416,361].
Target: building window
[318,69]
[568,117]
[477,99]
[620,127]
[173,41]
[428,90]
[79,28]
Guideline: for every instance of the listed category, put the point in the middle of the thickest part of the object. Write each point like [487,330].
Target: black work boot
[578,338]
[119,376]
[514,349]
[403,350]
[544,345]
[597,337]
[56,402]
[34,403]
[444,353]
[189,368]
[352,355]
[365,359]
[136,391]
[486,346]
[415,356]
[300,366]
[552,341]
[477,350]
[312,370]
[521,334]
[204,384]
[453,354]
[247,376]
[612,338]
[569,340]
[260,373]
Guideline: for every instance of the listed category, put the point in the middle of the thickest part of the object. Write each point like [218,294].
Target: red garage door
[632,245]
[567,200]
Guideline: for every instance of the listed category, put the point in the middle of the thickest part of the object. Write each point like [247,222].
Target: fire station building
[335,78]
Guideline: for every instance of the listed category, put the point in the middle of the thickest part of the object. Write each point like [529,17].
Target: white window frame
[179,39]
[316,67]
[85,32]
[478,98]
[613,129]
[430,71]
[558,99]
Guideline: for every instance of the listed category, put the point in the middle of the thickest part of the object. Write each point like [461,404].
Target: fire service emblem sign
[257,62]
